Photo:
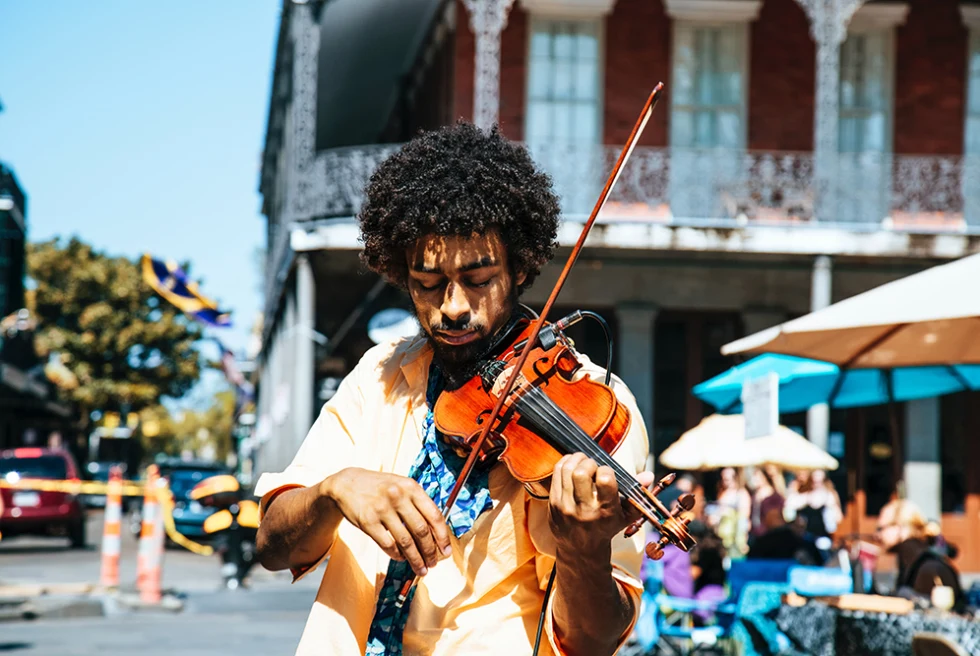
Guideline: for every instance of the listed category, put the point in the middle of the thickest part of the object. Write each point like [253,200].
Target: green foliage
[125,346]
[185,430]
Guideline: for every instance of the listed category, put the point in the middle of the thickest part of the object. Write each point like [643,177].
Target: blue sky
[139,125]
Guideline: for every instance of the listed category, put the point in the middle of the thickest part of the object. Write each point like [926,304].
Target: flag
[170,281]
[244,390]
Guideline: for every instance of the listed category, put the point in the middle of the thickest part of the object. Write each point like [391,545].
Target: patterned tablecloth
[822,630]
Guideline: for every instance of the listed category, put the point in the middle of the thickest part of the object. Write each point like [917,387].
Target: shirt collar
[415,364]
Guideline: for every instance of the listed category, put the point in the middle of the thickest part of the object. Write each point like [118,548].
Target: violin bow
[638,128]
[624,155]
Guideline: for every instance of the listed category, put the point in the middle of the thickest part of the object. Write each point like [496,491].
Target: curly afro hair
[459,180]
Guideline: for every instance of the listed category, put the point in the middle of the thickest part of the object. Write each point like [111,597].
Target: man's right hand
[395,512]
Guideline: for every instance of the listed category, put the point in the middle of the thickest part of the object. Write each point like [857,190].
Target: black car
[182,476]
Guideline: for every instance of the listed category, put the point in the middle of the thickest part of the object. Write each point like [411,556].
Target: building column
[923,463]
[488,18]
[818,416]
[828,27]
[756,320]
[636,366]
[303,392]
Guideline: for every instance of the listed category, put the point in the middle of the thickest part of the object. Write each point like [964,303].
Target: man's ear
[520,278]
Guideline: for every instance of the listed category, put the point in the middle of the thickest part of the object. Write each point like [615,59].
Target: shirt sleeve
[327,448]
[627,553]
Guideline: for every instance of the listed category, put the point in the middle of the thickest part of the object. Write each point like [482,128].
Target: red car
[33,512]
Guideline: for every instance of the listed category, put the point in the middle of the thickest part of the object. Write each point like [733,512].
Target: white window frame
[537,19]
[743,107]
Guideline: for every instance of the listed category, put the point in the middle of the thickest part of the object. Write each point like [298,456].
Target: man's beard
[460,364]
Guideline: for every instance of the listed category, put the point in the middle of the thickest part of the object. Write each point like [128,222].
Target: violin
[549,413]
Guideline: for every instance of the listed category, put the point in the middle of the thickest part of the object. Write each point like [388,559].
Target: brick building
[796,159]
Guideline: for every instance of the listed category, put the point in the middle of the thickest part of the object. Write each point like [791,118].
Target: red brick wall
[513,73]
[781,78]
[930,79]
[513,70]
[637,57]
[930,92]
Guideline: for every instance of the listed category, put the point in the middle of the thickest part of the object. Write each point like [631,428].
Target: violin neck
[568,437]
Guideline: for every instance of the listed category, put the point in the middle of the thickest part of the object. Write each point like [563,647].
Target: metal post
[488,18]
[818,417]
[828,27]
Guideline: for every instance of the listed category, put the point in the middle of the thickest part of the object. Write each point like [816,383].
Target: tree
[126,347]
[188,430]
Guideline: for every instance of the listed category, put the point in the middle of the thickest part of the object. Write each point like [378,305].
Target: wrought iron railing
[682,186]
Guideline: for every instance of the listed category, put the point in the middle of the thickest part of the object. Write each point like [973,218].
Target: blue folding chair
[808,581]
[666,623]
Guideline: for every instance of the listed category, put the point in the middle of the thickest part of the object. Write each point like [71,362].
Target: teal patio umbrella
[804,383]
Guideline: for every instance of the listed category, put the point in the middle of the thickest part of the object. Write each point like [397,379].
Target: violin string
[580,440]
[566,430]
[553,418]
[628,486]
[576,434]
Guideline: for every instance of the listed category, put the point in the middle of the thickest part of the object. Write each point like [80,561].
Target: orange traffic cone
[111,531]
[148,560]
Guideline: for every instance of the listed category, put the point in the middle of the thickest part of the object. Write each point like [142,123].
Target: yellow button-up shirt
[484,599]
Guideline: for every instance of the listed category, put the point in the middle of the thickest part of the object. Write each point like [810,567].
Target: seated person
[902,531]
[707,558]
[682,576]
[786,542]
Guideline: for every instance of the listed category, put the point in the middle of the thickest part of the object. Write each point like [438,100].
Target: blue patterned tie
[435,468]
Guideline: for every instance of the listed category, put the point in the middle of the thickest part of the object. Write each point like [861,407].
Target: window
[708,99]
[563,83]
[865,126]
[564,110]
[973,96]
[865,92]
[707,120]
[971,146]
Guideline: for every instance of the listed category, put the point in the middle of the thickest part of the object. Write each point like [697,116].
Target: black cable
[544,606]
[554,568]
[609,340]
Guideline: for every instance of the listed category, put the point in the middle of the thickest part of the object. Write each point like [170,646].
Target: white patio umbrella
[719,442]
[929,318]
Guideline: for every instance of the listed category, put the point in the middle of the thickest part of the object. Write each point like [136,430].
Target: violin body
[549,413]
[515,439]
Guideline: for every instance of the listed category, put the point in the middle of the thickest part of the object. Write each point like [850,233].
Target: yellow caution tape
[167,503]
[127,488]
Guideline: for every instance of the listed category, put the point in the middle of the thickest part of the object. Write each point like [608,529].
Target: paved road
[266,619]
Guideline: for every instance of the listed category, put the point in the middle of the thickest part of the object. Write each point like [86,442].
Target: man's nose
[455,306]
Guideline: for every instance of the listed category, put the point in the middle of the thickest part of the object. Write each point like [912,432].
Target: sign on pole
[760,405]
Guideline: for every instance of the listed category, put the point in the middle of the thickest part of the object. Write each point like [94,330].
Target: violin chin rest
[539,489]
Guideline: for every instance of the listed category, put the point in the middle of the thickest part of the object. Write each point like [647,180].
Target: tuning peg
[655,550]
[663,483]
[684,504]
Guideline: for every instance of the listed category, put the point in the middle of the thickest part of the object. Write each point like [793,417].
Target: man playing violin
[463,221]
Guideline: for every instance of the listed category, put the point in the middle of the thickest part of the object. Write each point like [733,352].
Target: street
[266,619]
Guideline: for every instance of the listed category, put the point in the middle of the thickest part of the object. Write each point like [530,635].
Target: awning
[367,47]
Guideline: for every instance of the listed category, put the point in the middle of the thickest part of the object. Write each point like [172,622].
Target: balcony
[904,193]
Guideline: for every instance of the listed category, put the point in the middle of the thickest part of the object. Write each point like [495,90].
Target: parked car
[99,472]
[189,514]
[36,512]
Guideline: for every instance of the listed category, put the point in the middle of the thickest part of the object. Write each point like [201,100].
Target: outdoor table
[822,630]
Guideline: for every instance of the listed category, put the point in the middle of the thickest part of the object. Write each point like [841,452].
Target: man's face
[463,293]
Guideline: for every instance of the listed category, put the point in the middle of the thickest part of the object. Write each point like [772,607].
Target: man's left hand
[586,509]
